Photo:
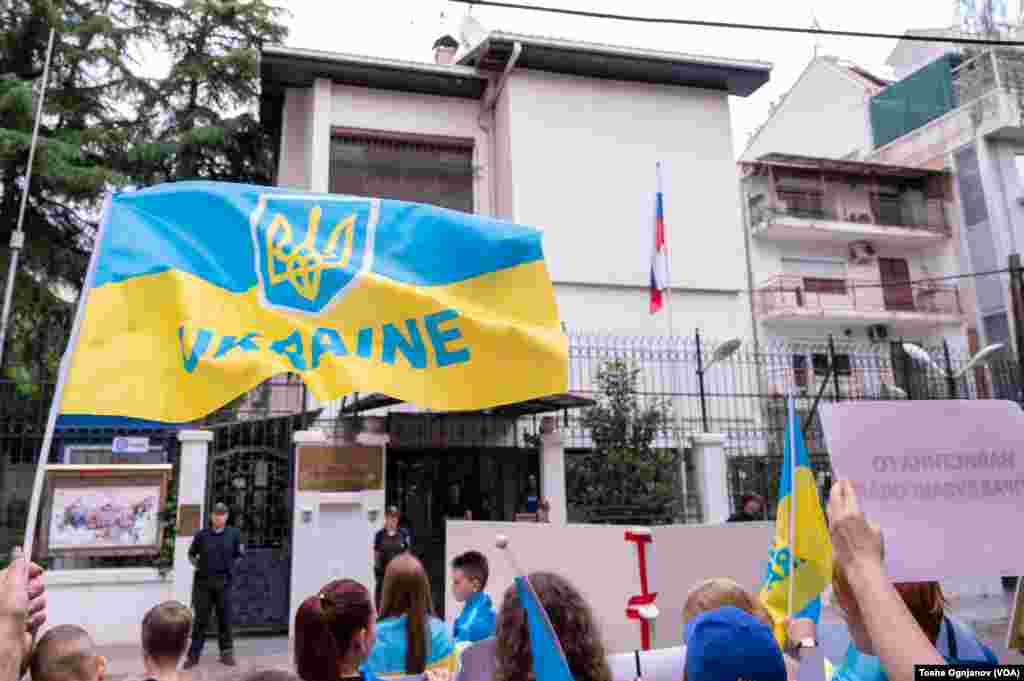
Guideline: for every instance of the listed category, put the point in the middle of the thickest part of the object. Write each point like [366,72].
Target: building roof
[285,67]
[288,67]
[871,84]
[595,60]
[845,167]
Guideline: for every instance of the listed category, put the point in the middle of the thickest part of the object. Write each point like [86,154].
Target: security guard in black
[214,551]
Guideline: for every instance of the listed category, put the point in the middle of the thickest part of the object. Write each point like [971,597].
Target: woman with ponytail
[410,639]
[334,633]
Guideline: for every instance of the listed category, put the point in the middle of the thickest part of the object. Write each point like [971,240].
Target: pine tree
[87,111]
[203,111]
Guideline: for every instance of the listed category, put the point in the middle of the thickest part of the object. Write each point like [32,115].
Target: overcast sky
[406,29]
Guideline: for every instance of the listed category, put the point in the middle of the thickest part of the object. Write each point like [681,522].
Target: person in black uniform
[389,543]
[214,552]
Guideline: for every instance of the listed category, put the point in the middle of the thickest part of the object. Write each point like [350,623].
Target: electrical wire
[750,27]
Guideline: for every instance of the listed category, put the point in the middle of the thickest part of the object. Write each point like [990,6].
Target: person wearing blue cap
[729,644]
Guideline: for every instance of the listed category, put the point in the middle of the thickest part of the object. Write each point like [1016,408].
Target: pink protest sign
[944,480]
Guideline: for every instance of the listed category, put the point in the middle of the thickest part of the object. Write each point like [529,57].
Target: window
[821,285]
[816,268]
[436,172]
[820,363]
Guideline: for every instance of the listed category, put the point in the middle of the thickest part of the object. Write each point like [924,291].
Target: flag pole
[502,543]
[668,265]
[58,394]
[792,504]
[18,235]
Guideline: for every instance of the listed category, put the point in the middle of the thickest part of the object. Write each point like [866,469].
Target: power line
[768,288]
[750,27]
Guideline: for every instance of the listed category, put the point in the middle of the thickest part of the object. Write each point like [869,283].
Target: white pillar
[712,476]
[320,136]
[552,470]
[192,466]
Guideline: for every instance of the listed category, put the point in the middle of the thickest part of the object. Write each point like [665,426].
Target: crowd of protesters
[340,635]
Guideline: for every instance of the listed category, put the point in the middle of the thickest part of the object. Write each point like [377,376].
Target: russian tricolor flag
[659,252]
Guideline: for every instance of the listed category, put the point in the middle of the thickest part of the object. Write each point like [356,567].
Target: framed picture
[96,511]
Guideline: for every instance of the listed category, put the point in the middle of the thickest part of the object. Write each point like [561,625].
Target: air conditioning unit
[878,333]
[861,252]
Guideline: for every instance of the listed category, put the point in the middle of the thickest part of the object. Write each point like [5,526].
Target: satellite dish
[471,33]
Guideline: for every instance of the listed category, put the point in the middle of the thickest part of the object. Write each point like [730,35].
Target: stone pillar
[192,467]
[712,476]
[552,470]
[320,136]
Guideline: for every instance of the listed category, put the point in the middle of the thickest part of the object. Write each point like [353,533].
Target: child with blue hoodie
[469,579]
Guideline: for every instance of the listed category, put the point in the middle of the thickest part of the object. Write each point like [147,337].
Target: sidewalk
[124,663]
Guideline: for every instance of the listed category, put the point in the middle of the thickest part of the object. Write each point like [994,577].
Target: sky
[406,29]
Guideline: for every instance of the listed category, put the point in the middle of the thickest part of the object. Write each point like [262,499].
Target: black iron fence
[742,395]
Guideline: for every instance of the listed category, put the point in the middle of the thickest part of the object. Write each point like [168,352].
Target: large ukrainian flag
[801,555]
[200,291]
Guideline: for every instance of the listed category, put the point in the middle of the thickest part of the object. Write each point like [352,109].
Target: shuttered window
[436,172]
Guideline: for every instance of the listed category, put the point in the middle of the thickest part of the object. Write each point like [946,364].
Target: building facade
[849,250]
[560,135]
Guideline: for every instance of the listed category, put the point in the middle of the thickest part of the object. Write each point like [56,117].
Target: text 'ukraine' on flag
[801,555]
[200,291]
[549,663]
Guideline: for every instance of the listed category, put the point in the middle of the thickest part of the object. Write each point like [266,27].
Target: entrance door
[897,292]
[253,482]
[430,487]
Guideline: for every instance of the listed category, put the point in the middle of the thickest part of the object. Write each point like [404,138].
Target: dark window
[822,285]
[436,173]
[820,363]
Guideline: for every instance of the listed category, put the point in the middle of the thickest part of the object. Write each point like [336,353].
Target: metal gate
[250,471]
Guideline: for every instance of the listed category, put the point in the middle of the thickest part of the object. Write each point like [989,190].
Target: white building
[560,135]
[829,89]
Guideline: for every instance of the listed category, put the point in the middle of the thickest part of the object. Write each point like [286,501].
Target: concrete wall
[626,311]
[108,603]
[332,533]
[583,169]
[603,566]
[821,94]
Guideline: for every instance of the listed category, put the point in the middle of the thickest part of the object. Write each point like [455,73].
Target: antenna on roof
[817,27]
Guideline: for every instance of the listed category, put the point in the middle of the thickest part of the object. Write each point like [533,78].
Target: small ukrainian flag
[800,561]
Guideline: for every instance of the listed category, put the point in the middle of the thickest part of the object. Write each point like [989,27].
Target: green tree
[625,468]
[88,109]
[199,121]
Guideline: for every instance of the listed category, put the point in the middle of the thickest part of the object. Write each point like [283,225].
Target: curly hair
[573,621]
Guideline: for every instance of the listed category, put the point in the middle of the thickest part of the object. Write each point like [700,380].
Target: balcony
[987,100]
[796,199]
[792,298]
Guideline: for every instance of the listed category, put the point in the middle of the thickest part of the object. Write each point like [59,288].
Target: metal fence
[741,396]
[744,394]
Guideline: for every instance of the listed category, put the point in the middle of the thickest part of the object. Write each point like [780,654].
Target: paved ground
[989,616]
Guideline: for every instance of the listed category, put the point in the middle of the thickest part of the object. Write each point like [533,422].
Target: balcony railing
[996,69]
[796,295]
[880,210]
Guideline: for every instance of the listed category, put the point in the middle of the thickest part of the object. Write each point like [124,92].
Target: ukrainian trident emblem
[311,250]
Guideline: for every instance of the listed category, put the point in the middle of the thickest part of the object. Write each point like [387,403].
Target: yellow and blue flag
[801,555]
[549,663]
[200,291]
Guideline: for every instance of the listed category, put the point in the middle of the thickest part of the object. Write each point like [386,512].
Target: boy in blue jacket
[469,579]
